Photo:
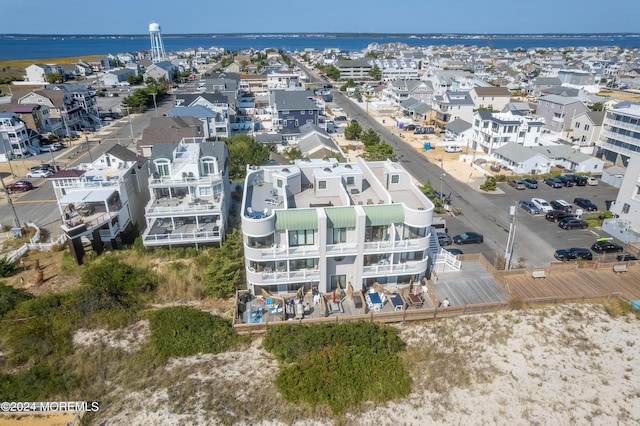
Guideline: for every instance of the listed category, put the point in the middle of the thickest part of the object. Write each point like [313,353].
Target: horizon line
[363,34]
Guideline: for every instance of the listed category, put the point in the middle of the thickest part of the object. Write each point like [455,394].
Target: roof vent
[348,166]
[285,170]
[327,169]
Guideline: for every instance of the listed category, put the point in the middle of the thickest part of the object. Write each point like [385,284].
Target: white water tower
[157,48]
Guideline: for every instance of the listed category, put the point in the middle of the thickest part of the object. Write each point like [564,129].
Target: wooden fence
[422,314]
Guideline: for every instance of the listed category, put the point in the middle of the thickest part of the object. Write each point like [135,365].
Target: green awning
[384,214]
[341,217]
[296,220]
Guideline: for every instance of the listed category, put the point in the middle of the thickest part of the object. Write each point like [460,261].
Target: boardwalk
[472,285]
[577,282]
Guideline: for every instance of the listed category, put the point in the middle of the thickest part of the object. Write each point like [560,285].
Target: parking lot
[536,238]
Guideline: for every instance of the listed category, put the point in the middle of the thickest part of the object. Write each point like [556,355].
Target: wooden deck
[473,284]
[577,282]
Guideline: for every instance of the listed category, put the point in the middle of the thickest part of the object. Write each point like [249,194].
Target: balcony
[391,269]
[163,234]
[396,246]
[171,206]
[282,277]
[170,181]
[621,125]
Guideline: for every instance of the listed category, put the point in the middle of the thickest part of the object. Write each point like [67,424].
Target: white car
[39,173]
[452,148]
[592,181]
[543,205]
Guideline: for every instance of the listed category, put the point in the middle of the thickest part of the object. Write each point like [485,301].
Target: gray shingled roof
[296,100]
[560,100]
[517,153]
[199,111]
[458,126]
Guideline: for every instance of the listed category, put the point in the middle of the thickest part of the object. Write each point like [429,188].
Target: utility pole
[16,221]
[154,105]
[511,239]
[86,141]
[129,115]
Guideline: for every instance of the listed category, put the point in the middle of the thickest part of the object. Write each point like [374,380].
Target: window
[302,112]
[279,183]
[350,180]
[338,279]
[395,178]
[302,264]
[625,208]
[301,238]
[411,232]
[375,233]
[411,256]
[208,167]
[578,125]
[163,168]
[296,122]
[586,127]
[339,235]
[260,242]
[285,111]
[322,184]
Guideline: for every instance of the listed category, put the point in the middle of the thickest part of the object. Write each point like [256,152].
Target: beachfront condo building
[321,223]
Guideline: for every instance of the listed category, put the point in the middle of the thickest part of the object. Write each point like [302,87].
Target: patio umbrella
[265,293]
[349,289]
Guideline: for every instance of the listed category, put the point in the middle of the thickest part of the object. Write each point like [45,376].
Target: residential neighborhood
[275,188]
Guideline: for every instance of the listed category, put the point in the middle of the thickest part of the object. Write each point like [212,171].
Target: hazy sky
[274,16]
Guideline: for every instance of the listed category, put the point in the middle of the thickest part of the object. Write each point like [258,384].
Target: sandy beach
[573,364]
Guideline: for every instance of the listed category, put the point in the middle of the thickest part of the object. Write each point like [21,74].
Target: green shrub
[10,297]
[184,331]
[38,383]
[6,267]
[605,215]
[332,364]
[489,184]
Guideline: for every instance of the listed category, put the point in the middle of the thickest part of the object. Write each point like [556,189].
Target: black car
[566,180]
[530,183]
[579,180]
[574,253]
[553,182]
[468,238]
[626,257]
[560,205]
[572,223]
[445,198]
[556,215]
[606,247]
[454,251]
[586,204]
[444,239]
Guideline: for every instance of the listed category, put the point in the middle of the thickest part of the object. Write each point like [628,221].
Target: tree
[331,71]
[293,153]
[597,106]
[375,72]
[379,152]
[352,131]
[243,150]
[370,137]
[225,273]
[349,83]
[54,77]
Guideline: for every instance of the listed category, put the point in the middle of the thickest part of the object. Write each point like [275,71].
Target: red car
[20,185]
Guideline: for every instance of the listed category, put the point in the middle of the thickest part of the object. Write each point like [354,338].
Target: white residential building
[21,140]
[626,227]
[493,130]
[620,135]
[189,194]
[100,201]
[324,224]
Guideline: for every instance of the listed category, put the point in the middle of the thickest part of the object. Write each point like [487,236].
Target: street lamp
[154,105]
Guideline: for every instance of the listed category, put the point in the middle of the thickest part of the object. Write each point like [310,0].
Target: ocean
[17,46]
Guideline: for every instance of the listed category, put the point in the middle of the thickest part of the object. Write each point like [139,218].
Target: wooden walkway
[472,285]
[587,282]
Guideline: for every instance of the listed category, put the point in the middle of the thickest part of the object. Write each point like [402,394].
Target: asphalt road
[536,239]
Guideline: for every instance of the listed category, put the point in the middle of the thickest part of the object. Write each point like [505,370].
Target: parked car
[454,251]
[39,173]
[542,205]
[573,253]
[45,166]
[553,182]
[561,205]
[566,181]
[445,198]
[468,238]
[517,184]
[586,204]
[579,180]
[444,239]
[452,148]
[556,215]
[572,223]
[591,181]
[626,257]
[20,186]
[530,183]
[529,207]
[48,148]
[59,145]
[606,246]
